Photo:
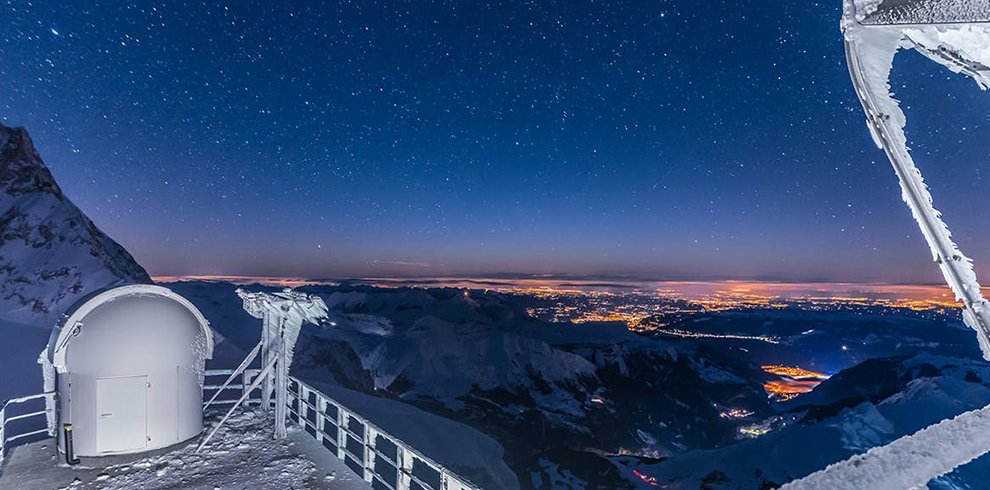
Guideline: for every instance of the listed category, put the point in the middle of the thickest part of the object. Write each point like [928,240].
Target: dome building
[129,366]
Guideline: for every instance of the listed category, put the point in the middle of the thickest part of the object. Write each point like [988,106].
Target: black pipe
[70,458]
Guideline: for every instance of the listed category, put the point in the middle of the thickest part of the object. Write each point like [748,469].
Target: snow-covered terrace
[327,446]
[243,454]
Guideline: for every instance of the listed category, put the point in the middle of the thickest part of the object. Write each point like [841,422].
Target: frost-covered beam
[873,35]
[909,462]
[902,12]
[963,48]
[237,372]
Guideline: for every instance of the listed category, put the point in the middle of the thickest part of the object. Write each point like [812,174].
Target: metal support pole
[266,357]
[954,266]
[281,392]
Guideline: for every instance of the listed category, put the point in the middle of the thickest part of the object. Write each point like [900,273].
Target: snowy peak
[21,168]
[51,254]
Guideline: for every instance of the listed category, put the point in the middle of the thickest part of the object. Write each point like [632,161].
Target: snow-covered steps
[242,455]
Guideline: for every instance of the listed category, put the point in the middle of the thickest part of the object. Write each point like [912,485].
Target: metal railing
[384,461]
[236,389]
[24,428]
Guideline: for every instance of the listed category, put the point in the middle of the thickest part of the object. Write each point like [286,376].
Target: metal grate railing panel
[384,461]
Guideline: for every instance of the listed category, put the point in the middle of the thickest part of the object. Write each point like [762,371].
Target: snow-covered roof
[899,12]
[63,332]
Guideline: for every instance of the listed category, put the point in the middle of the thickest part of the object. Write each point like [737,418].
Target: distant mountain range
[557,397]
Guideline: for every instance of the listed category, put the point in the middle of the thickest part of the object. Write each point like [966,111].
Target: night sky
[659,139]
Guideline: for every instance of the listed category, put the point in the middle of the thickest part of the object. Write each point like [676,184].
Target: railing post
[302,409]
[246,385]
[3,432]
[321,408]
[369,454]
[50,404]
[341,433]
[451,482]
[405,469]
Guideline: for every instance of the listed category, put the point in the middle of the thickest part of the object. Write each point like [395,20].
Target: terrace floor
[242,454]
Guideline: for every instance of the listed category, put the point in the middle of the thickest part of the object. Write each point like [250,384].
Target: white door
[121,413]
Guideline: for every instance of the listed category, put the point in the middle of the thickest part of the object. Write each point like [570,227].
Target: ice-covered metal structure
[282,315]
[955,34]
[128,365]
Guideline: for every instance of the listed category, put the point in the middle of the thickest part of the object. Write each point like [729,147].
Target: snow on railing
[8,436]
[384,461]
[909,462]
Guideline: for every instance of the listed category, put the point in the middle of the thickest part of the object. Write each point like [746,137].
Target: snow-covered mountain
[868,405]
[51,254]
[557,397]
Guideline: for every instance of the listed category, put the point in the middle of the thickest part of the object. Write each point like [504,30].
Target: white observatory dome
[130,364]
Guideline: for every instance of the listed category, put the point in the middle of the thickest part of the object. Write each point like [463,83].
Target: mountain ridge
[51,253]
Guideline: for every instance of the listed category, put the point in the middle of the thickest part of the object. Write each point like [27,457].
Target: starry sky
[655,139]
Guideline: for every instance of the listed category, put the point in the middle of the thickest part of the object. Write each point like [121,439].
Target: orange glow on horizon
[688,289]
